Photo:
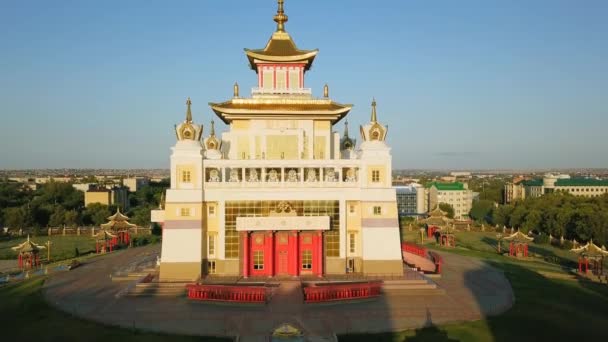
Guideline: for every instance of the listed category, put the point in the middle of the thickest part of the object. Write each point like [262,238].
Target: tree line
[57,204]
[558,214]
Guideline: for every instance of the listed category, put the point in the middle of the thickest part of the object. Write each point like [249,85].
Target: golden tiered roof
[118,221]
[281,48]
[591,250]
[518,237]
[272,108]
[27,246]
[104,235]
[437,217]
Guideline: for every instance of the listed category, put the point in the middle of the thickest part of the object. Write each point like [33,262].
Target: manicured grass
[27,317]
[62,247]
[544,310]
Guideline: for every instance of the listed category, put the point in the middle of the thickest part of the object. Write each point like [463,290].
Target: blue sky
[461,84]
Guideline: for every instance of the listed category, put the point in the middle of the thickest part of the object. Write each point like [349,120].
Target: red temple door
[283,263]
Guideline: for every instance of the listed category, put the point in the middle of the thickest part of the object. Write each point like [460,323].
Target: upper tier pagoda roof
[118,221]
[27,246]
[591,250]
[281,48]
[273,108]
[518,237]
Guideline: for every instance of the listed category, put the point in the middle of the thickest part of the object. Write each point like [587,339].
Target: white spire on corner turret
[187,130]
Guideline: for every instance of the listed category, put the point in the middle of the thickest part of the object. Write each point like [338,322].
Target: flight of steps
[414,283]
[157,289]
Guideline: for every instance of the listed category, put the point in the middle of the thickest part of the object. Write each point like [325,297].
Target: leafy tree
[141,216]
[96,214]
[447,208]
[57,217]
[481,210]
[17,217]
[532,221]
[72,218]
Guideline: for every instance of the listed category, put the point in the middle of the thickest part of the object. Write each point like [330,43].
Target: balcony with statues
[234,175]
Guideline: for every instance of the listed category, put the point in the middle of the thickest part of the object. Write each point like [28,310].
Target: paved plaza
[473,290]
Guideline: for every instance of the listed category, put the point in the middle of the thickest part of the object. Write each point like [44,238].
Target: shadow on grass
[548,309]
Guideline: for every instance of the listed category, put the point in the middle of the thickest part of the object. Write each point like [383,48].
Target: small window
[211,210]
[186,177]
[307,259]
[185,212]
[375,176]
[258,260]
[351,209]
[211,266]
[351,243]
[211,245]
[377,210]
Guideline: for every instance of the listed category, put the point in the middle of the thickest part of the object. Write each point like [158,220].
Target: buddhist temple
[591,254]
[29,254]
[118,224]
[518,244]
[437,221]
[281,192]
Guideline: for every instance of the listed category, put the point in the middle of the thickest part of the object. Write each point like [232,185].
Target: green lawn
[544,310]
[27,317]
[62,247]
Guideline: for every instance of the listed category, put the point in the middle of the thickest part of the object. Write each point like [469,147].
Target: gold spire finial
[374,117]
[236,90]
[212,128]
[188,111]
[280,18]
[326,91]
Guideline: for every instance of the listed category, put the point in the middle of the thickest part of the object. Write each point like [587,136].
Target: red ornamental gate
[286,253]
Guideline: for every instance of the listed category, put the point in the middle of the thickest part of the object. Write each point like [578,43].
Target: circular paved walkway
[473,291]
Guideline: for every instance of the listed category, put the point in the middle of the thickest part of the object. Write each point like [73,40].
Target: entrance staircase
[419,258]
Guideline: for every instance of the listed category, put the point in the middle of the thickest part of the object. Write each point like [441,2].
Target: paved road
[473,290]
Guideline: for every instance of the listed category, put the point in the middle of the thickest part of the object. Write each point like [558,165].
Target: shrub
[542,239]
[567,245]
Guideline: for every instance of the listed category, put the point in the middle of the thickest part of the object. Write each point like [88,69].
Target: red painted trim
[225,293]
[296,247]
[326,293]
[245,237]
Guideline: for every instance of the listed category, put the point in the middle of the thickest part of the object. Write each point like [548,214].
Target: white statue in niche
[253,175]
[292,176]
[311,176]
[273,176]
[234,176]
[350,175]
[330,175]
[214,176]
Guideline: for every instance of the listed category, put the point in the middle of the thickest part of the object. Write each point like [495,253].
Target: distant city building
[460,174]
[84,187]
[588,187]
[107,196]
[455,194]
[410,200]
[135,183]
